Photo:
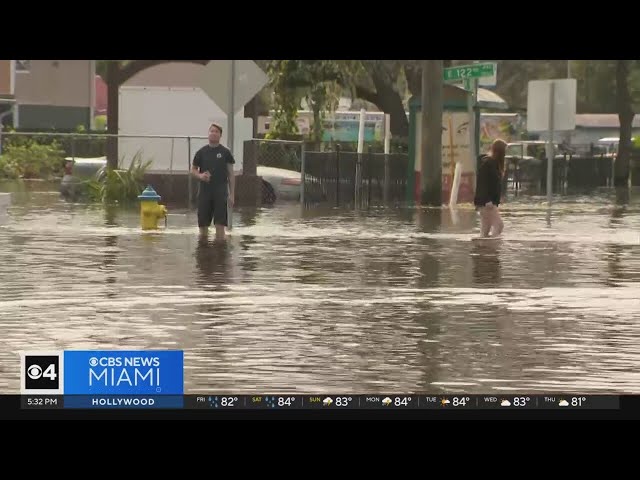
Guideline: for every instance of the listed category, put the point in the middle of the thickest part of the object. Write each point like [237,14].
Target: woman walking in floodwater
[489,189]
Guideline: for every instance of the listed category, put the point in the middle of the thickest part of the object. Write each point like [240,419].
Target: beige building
[54,94]
[6,78]
[6,89]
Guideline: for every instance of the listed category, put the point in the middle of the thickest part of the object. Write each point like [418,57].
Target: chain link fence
[580,168]
[279,163]
[333,176]
[43,155]
[283,154]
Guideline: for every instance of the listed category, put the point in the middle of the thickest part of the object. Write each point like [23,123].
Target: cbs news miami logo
[106,372]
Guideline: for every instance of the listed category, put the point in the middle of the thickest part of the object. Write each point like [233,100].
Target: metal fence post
[302,173]
[387,180]
[370,183]
[357,180]
[338,175]
[189,176]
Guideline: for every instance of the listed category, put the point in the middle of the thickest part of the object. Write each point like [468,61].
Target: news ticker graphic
[130,379]
[102,372]
[325,402]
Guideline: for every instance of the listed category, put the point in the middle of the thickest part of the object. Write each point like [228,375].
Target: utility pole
[431,133]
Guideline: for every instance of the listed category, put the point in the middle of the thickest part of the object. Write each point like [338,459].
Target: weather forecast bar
[395,402]
[324,402]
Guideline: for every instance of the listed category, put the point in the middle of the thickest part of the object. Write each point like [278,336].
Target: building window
[23,66]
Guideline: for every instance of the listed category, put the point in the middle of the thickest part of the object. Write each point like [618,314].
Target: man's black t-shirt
[213,160]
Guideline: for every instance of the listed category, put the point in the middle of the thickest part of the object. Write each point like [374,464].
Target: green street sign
[475,70]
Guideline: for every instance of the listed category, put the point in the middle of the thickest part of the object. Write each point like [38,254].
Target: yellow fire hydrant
[150,210]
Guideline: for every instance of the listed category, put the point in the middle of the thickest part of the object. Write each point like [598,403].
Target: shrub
[31,160]
[119,186]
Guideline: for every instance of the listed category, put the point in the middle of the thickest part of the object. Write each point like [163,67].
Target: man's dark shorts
[212,205]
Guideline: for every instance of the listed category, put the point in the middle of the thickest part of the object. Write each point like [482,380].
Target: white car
[278,184]
[282,184]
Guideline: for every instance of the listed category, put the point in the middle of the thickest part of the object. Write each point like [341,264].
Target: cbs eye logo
[42,372]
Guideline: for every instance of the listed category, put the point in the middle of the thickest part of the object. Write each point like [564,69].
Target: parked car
[279,184]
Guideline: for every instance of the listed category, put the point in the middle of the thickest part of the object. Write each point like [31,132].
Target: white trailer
[157,121]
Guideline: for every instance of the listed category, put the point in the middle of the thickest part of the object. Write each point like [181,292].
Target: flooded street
[335,300]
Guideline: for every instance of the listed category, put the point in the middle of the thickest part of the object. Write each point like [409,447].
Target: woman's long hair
[498,152]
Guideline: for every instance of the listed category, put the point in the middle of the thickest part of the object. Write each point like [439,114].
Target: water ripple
[399,300]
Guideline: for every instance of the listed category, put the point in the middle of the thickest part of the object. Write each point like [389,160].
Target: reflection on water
[330,300]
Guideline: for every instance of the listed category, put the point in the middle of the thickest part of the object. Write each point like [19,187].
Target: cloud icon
[445,401]
[327,401]
[505,403]
[563,403]
[386,401]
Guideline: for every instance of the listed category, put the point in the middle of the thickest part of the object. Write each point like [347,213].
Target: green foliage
[320,82]
[596,85]
[100,122]
[26,158]
[596,81]
[119,186]
[597,88]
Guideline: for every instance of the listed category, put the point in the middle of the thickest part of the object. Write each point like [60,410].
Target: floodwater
[335,300]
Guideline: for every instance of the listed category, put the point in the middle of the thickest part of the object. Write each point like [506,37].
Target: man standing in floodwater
[213,166]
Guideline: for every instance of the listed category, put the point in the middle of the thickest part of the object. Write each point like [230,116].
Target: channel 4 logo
[42,373]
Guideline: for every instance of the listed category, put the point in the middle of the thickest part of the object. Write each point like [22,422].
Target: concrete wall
[57,94]
[53,117]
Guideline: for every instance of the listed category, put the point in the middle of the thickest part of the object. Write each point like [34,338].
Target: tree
[385,84]
[380,82]
[389,84]
[118,72]
[625,114]
[320,82]
[432,103]
[514,75]
[596,80]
